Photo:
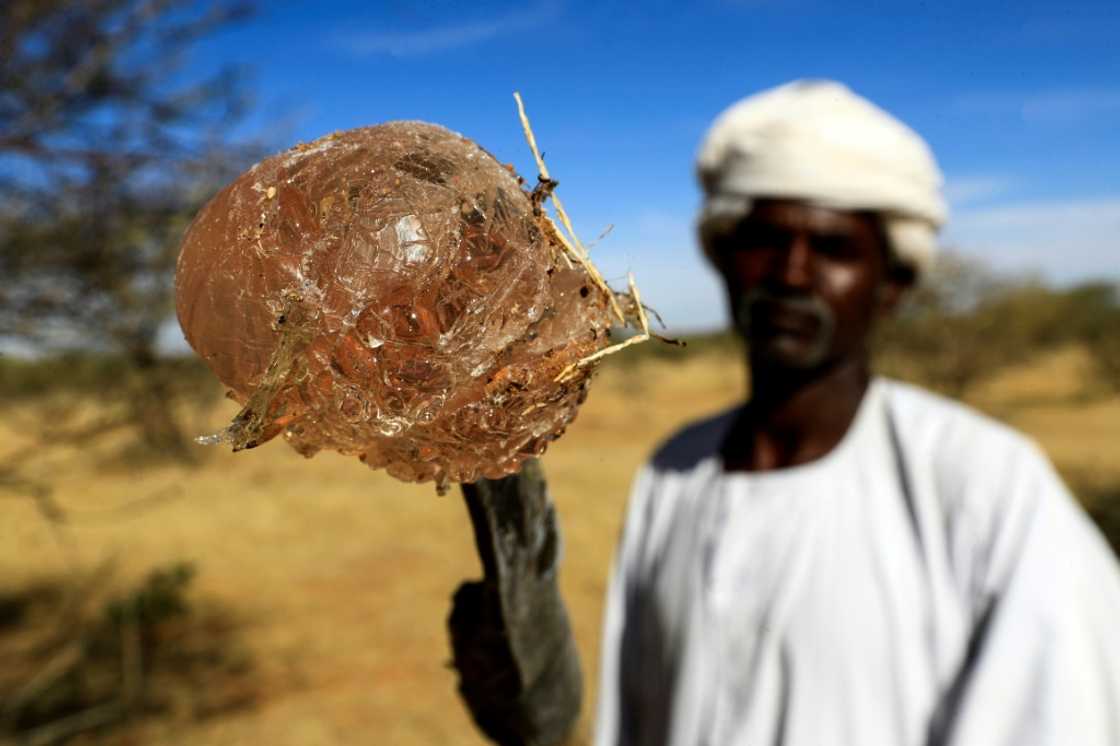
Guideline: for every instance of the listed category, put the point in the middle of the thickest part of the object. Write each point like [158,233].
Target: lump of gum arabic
[390,292]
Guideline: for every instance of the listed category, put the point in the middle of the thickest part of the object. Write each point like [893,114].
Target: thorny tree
[110,139]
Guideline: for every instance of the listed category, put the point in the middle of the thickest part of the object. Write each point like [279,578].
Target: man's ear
[898,276]
[898,282]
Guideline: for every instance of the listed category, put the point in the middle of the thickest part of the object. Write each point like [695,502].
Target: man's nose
[795,269]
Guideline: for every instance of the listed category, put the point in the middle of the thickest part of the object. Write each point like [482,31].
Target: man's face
[805,283]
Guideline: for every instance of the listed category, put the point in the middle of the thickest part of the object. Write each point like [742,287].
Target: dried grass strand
[574,246]
[642,336]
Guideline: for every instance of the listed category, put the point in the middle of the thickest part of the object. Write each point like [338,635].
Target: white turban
[819,142]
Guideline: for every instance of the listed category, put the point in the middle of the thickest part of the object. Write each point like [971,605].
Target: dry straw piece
[394,292]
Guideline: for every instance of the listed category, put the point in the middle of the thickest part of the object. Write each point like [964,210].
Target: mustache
[804,304]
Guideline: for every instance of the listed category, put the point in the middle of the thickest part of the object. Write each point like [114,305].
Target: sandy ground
[338,579]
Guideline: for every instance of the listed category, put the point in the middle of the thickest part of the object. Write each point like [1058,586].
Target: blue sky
[1019,100]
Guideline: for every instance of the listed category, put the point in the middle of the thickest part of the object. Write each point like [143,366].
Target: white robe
[930,581]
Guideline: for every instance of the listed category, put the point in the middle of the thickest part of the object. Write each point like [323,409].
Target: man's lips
[785,318]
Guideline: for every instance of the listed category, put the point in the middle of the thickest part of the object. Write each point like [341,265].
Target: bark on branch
[512,644]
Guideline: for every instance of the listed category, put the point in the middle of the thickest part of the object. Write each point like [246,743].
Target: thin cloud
[1056,25]
[1063,106]
[1062,241]
[418,42]
[1060,107]
[782,5]
[749,4]
[969,190]
[1065,241]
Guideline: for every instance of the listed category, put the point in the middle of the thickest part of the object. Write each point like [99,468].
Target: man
[845,559]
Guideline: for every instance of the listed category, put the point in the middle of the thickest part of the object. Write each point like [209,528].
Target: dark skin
[807,285]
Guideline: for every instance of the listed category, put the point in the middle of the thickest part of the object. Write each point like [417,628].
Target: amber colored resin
[390,292]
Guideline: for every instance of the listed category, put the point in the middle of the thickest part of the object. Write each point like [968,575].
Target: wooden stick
[511,640]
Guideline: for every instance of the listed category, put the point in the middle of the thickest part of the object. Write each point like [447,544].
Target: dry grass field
[332,583]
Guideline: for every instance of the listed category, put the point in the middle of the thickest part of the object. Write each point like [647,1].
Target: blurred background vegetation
[151,588]
[108,145]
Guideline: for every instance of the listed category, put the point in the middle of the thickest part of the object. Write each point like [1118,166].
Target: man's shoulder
[665,490]
[947,433]
[947,424]
[1002,508]
[962,446]
[693,444]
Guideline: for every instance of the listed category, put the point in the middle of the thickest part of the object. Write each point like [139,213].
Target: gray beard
[809,305]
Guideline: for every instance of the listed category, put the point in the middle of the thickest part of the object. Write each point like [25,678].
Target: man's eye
[835,247]
[730,244]
[754,238]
